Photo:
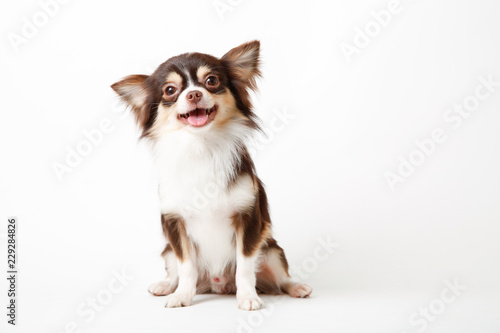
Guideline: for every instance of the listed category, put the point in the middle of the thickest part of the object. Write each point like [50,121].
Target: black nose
[194,96]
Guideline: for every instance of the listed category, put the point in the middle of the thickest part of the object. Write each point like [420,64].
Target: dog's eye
[212,81]
[170,90]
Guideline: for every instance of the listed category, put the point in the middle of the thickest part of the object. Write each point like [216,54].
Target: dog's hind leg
[273,277]
[169,284]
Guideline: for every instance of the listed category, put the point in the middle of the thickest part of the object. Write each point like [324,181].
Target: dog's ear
[132,90]
[244,63]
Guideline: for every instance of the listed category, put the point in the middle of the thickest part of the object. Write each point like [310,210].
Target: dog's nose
[194,96]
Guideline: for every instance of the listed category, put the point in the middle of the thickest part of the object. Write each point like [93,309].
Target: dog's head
[194,91]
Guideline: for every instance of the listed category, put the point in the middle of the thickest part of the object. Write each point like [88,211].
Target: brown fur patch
[253,227]
[168,248]
[272,245]
[175,231]
[267,282]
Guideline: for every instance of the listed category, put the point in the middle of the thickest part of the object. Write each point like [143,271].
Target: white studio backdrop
[381,162]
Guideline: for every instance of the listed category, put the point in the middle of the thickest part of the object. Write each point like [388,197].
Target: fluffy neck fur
[198,157]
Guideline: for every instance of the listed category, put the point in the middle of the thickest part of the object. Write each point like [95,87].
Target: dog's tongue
[197,117]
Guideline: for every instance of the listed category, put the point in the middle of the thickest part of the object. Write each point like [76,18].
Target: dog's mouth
[198,117]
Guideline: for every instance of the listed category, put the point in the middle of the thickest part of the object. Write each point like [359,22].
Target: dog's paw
[177,300]
[249,302]
[162,288]
[300,290]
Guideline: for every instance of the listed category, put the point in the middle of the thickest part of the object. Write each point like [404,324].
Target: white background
[324,170]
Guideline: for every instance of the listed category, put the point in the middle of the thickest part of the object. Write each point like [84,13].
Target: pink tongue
[197,117]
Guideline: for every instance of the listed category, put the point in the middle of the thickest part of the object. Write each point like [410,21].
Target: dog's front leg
[249,236]
[174,229]
[245,283]
[188,277]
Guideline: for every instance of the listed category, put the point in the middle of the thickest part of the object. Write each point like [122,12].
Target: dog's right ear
[132,90]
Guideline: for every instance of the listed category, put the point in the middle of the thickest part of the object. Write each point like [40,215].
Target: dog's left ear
[244,62]
[132,90]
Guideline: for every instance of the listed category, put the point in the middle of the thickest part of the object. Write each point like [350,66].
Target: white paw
[176,300]
[300,290]
[162,288]
[249,302]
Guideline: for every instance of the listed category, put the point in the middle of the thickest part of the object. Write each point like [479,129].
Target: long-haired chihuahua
[196,111]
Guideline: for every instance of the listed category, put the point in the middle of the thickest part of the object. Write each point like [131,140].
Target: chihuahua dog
[196,111]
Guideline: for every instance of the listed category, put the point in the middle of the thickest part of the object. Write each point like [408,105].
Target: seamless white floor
[354,93]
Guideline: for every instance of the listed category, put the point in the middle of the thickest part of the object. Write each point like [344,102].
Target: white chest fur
[194,172]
